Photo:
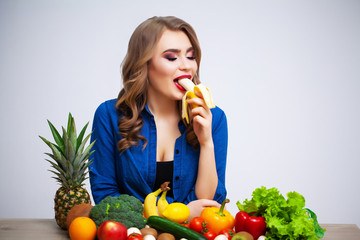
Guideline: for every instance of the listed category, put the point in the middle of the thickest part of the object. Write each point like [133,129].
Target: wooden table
[15,229]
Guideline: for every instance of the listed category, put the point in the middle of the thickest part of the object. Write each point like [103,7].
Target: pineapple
[70,164]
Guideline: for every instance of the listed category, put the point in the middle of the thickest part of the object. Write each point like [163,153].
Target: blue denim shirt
[134,171]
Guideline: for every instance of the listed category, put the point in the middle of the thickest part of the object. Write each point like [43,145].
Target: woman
[141,140]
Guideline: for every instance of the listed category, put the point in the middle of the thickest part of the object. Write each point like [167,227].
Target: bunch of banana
[150,204]
[150,208]
[191,88]
[162,203]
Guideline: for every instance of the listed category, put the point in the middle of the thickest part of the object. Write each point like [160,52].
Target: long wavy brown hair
[133,96]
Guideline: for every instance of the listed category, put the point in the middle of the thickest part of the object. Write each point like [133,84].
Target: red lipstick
[181,77]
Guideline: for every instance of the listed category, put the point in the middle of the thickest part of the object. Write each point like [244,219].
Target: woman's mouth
[177,83]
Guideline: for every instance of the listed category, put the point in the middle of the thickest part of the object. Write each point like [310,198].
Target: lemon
[177,212]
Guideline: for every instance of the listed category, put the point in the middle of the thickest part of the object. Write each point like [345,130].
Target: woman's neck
[162,107]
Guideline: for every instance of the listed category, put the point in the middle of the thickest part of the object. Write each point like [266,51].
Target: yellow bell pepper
[218,218]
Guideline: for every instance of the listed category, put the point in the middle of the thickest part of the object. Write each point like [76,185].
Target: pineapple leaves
[59,141]
[69,160]
[71,131]
[69,124]
[69,146]
[57,154]
[56,167]
[80,158]
[61,162]
[79,140]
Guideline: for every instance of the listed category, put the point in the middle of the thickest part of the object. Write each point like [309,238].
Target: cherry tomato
[197,224]
[186,224]
[135,236]
[228,232]
[209,234]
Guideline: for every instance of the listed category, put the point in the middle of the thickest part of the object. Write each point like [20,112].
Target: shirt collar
[181,124]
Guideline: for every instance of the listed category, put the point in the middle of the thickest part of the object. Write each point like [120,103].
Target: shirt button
[177,151]
[177,178]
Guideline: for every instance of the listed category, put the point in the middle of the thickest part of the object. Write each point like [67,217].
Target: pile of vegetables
[267,215]
[285,218]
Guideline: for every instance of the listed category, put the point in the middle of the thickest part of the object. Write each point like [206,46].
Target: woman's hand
[202,119]
[197,206]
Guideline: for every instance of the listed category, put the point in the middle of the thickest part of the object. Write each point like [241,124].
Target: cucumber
[176,229]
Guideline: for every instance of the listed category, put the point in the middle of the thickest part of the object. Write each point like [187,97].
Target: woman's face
[173,59]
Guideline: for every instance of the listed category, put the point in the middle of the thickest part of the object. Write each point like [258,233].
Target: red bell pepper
[256,226]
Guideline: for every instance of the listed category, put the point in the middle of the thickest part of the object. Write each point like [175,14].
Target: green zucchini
[176,229]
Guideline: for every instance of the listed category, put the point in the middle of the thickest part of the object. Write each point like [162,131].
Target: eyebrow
[178,50]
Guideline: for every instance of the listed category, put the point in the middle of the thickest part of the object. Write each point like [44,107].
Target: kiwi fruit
[242,236]
[79,210]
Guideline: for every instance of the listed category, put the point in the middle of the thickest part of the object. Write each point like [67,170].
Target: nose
[184,64]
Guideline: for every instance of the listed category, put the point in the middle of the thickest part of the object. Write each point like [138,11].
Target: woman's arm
[220,140]
[212,136]
[102,169]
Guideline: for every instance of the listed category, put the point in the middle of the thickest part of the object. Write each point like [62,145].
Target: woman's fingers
[197,101]
[198,107]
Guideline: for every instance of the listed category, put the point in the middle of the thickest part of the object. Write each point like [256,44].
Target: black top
[164,173]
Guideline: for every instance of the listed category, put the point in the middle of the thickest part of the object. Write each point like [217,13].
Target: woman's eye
[191,55]
[171,57]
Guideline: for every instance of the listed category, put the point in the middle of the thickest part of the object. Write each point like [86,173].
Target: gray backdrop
[286,73]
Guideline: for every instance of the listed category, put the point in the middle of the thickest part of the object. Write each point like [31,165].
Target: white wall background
[287,73]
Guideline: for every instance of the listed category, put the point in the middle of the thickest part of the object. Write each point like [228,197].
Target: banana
[191,88]
[150,204]
[162,202]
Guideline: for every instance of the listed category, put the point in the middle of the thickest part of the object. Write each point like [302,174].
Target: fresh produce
[149,231]
[150,204]
[228,232]
[80,210]
[166,236]
[218,218]
[221,237]
[135,236]
[162,203]
[177,212]
[243,236]
[133,230]
[209,234]
[186,223]
[256,226]
[197,224]
[70,163]
[82,228]
[149,237]
[285,218]
[318,230]
[178,230]
[112,230]
[125,209]
[191,89]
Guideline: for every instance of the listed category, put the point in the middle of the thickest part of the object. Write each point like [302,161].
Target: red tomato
[186,224]
[228,232]
[197,224]
[209,234]
[135,236]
